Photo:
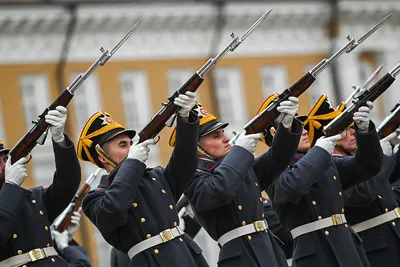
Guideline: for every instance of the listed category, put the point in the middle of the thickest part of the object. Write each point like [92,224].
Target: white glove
[74,225]
[186,102]
[361,117]
[141,151]
[385,144]
[249,141]
[16,173]
[288,109]
[328,143]
[61,239]
[235,136]
[57,118]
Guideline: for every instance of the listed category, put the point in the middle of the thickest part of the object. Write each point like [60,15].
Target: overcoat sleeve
[76,256]
[395,175]
[65,181]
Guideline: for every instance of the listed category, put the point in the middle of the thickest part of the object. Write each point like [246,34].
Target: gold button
[240,207]
[261,199]
[342,210]
[154,179]
[175,224]
[48,244]
[171,207]
[346,225]
[33,201]
[24,266]
[243,223]
[314,203]
[387,210]
[41,212]
[334,178]
[262,215]
[256,184]
[148,235]
[15,236]
[134,204]
[46,228]
[143,220]
[180,239]
[379,196]
[53,259]
[19,252]
[393,223]
[249,237]
[319,217]
[326,233]
[156,251]
[163,191]
[392,188]
[340,193]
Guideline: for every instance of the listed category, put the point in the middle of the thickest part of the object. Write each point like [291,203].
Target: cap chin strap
[204,152]
[104,155]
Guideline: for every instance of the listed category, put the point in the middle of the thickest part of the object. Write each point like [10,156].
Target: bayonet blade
[376,27]
[127,35]
[371,78]
[251,29]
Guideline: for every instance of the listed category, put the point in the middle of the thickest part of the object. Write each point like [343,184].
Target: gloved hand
[60,239]
[16,174]
[57,118]
[328,143]
[396,148]
[186,102]
[249,141]
[288,109]
[74,225]
[385,144]
[361,117]
[235,136]
[141,151]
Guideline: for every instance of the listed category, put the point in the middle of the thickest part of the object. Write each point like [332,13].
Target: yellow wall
[14,122]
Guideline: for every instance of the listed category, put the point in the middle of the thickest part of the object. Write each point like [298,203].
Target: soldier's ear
[102,160]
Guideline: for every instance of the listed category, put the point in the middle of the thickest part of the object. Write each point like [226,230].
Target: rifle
[63,221]
[390,123]
[342,121]
[168,109]
[38,132]
[270,114]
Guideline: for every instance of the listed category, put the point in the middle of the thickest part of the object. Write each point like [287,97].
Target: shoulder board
[96,190]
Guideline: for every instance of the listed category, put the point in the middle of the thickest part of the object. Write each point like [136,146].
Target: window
[35,98]
[274,80]
[137,106]
[86,103]
[230,98]
[178,77]
[323,84]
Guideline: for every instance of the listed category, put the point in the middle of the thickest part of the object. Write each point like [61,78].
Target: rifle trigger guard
[29,159]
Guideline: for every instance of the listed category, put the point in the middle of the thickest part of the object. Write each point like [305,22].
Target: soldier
[372,210]
[67,247]
[308,196]
[26,215]
[225,192]
[135,213]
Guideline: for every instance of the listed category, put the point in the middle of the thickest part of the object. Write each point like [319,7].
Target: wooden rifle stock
[29,140]
[267,117]
[76,203]
[391,124]
[157,123]
[342,121]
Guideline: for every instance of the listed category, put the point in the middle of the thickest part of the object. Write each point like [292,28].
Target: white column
[389,59]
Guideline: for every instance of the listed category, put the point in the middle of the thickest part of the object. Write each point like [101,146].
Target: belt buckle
[337,219]
[167,235]
[397,211]
[259,226]
[37,254]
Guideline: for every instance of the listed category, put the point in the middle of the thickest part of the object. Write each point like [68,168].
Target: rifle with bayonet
[345,118]
[391,123]
[270,114]
[38,132]
[168,109]
[64,219]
